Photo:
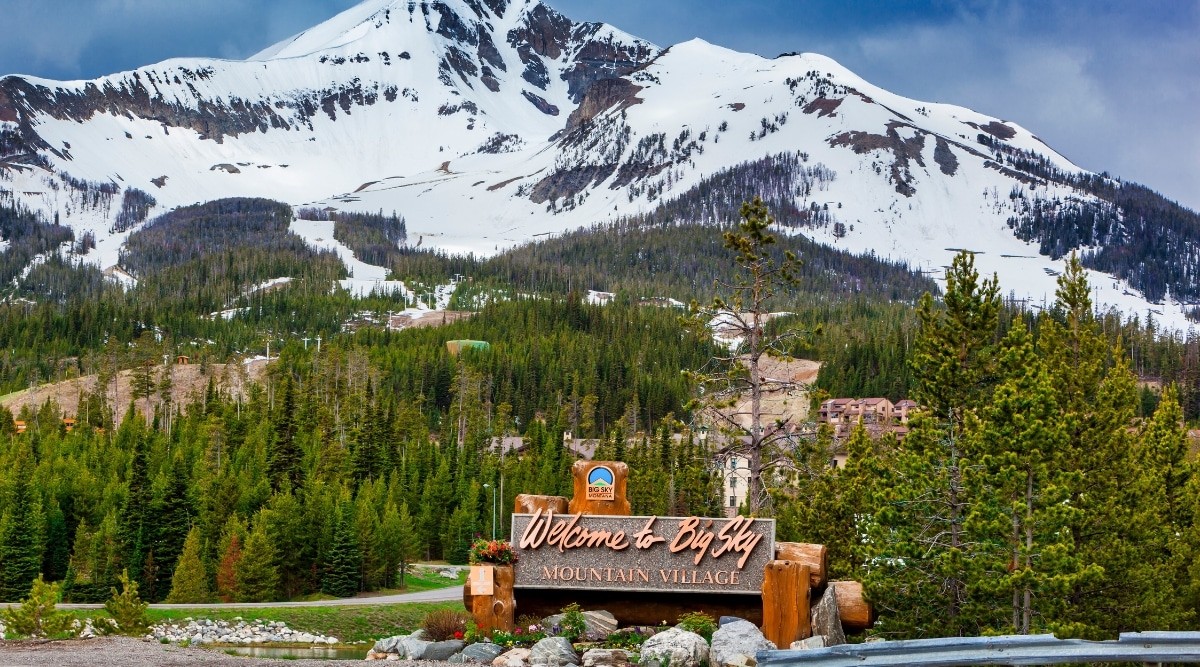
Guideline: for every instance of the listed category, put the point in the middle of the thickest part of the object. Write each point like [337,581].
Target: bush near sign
[642,553]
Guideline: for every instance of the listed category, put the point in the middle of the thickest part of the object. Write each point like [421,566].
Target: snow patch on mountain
[482,123]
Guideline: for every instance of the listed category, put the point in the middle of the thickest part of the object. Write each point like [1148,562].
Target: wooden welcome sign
[650,569]
[642,553]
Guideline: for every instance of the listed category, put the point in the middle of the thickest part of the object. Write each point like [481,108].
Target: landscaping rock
[825,619]
[443,650]
[484,652]
[238,631]
[553,652]
[599,624]
[605,657]
[517,657]
[726,620]
[414,649]
[675,648]
[816,641]
[736,644]
[389,645]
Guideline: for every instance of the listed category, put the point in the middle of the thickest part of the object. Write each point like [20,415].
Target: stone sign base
[631,608]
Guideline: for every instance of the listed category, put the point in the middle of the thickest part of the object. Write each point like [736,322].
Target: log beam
[785,593]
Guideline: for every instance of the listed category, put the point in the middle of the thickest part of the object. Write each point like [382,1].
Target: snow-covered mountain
[488,123]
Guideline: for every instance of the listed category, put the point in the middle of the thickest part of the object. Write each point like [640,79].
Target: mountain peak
[492,122]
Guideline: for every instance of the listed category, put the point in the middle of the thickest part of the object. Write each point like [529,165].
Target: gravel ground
[130,652]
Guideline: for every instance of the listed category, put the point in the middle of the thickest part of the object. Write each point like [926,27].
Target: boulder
[553,652]
[443,650]
[675,648]
[599,624]
[825,619]
[815,641]
[736,645]
[414,649]
[605,657]
[726,620]
[484,652]
[389,645]
[517,657]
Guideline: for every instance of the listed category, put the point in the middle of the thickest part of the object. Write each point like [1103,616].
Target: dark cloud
[72,39]
[1112,85]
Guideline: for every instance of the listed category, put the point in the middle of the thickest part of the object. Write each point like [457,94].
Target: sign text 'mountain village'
[642,553]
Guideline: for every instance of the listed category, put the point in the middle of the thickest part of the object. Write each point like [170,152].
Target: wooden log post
[815,556]
[527,503]
[856,613]
[785,592]
[494,610]
[600,488]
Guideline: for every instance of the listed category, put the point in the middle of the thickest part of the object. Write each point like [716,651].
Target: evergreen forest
[1047,486]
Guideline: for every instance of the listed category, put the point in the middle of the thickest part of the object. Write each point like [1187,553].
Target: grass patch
[428,580]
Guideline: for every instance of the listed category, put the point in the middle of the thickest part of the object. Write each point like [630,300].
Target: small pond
[358,652]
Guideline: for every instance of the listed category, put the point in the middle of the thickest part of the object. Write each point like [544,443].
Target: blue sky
[1115,86]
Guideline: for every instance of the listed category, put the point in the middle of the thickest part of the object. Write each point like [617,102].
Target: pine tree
[171,524]
[1162,485]
[1098,402]
[255,574]
[132,522]
[834,506]
[230,550]
[955,352]
[366,528]
[388,545]
[744,311]
[189,583]
[20,533]
[462,527]
[1021,510]
[919,535]
[284,459]
[409,545]
[56,554]
[340,574]
[286,526]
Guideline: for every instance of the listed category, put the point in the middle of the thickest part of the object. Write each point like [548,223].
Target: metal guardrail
[1145,647]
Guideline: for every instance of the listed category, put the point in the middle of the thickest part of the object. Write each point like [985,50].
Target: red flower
[458,634]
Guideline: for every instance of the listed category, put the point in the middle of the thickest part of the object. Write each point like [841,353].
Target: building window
[733,483]
[733,501]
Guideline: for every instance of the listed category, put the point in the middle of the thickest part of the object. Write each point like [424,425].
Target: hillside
[188,385]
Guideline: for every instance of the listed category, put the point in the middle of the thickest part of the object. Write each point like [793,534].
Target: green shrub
[573,625]
[699,623]
[627,638]
[127,609]
[445,624]
[37,616]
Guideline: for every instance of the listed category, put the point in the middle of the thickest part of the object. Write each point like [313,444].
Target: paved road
[435,595]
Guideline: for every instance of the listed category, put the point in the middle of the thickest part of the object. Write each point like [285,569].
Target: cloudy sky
[1113,85]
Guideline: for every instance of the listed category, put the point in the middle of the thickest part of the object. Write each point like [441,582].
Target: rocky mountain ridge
[489,123]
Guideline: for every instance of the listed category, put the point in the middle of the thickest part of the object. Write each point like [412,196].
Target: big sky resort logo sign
[600,484]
